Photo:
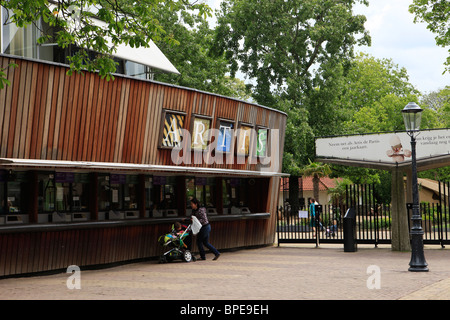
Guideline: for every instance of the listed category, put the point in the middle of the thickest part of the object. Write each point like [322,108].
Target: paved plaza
[288,272]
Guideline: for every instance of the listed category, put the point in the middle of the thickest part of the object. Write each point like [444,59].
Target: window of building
[12,188]
[18,41]
[148,186]
[164,192]
[235,195]
[103,192]
[202,188]
[117,192]
[63,192]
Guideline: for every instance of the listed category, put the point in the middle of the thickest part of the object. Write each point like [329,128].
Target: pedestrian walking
[203,236]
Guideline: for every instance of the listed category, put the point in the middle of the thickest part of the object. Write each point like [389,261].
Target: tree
[198,68]
[438,104]
[436,13]
[374,93]
[295,51]
[316,170]
[338,193]
[76,22]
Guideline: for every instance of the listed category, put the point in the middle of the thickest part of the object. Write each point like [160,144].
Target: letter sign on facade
[261,142]
[171,131]
[200,133]
[225,136]
[244,138]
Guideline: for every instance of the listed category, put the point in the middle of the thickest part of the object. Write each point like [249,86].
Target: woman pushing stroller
[203,236]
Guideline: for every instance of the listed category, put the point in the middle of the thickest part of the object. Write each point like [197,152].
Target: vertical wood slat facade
[48,115]
[32,252]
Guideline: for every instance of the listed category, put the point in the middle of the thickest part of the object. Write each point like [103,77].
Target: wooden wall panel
[46,114]
[49,115]
[32,252]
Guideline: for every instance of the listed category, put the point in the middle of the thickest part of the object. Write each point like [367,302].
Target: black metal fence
[372,225]
[373,220]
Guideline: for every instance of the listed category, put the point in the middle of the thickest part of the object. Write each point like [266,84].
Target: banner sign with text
[392,147]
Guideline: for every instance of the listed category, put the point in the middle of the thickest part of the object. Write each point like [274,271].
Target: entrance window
[130,191]
[117,192]
[202,188]
[63,192]
[148,185]
[235,194]
[12,189]
[103,192]
[80,193]
[164,192]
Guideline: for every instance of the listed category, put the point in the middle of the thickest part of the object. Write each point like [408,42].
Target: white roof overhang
[13,163]
[149,56]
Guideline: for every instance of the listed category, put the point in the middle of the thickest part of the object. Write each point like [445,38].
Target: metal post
[417,262]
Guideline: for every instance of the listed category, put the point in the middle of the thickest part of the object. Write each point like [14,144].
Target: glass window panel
[130,191]
[19,41]
[103,192]
[148,193]
[164,192]
[47,193]
[3,201]
[62,197]
[210,192]
[80,193]
[190,191]
[116,196]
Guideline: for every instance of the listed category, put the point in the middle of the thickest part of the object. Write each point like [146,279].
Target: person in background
[312,212]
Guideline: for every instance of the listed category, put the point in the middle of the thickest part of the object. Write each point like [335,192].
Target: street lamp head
[412,115]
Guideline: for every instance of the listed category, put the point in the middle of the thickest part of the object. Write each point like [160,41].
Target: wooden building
[93,172]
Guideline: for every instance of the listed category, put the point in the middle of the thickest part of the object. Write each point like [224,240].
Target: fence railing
[373,225]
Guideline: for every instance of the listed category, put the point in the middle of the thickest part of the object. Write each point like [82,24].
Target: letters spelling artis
[205,139]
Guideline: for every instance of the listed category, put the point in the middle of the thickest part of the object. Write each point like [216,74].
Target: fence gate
[373,220]
[436,217]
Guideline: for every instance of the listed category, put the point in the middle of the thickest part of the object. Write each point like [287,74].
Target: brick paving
[288,272]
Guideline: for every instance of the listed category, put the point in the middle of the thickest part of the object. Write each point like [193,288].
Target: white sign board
[384,147]
[302,214]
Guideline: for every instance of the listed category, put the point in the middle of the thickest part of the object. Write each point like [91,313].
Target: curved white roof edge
[151,56]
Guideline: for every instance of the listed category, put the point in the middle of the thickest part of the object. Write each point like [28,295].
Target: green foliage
[338,193]
[436,107]
[3,75]
[76,22]
[374,93]
[436,13]
[376,223]
[198,67]
[296,53]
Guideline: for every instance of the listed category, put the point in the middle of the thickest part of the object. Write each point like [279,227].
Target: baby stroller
[175,243]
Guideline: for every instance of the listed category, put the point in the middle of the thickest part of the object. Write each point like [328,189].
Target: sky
[410,45]
[395,36]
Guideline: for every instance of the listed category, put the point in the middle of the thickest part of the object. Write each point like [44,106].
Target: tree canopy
[122,22]
[295,52]
[436,13]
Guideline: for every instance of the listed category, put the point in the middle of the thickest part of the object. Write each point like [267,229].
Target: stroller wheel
[187,256]
[162,259]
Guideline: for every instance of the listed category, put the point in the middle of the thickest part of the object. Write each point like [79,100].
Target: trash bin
[350,231]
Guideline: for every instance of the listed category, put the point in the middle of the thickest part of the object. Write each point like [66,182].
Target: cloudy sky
[395,36]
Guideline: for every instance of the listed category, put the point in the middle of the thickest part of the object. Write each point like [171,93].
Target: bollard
[350,231]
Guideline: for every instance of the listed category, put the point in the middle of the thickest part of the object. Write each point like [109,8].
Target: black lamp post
[412,115]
